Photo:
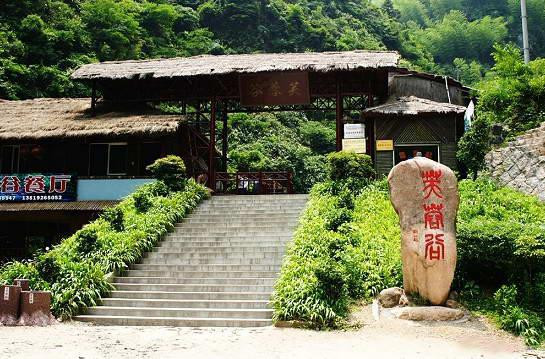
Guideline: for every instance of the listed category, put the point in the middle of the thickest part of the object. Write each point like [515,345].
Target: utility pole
[525,41]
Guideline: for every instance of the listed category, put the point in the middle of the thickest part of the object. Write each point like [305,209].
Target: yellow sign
[354,145]
[385,145]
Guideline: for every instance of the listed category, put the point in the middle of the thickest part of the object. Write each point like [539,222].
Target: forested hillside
[41,41]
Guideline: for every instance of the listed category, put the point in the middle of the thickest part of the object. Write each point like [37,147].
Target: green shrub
[18,270]
[500,233]
[142,201]
[349,165]
[86,240]
[114,216]
[48,268]
[171,171]
[338,255]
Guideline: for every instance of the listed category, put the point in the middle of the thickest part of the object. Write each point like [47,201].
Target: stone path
[385,339]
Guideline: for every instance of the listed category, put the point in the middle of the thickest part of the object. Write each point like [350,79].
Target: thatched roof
[55,118]
[408,106]
[92,206]
[243,64]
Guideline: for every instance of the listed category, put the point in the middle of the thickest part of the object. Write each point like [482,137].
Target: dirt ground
[383,339]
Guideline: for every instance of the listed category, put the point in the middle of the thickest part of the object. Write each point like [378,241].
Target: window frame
[109,144]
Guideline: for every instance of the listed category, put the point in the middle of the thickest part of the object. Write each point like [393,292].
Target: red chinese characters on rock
[434,238]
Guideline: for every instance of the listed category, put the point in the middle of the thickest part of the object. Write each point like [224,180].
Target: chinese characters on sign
[433,215]
[274,89]
[37,187]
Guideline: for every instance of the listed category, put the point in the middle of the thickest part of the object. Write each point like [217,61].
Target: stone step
[236,221]
[200,274]
[199,237]
[183,245]
[147,294]
[188,303]
[263,198]
[173,322]
[227,216]
[194,287]
[244,211]
[277,253]
[219,249]
[242,207]
[218,281]
[235,228]
[222,261]
[181,312]
[207,267]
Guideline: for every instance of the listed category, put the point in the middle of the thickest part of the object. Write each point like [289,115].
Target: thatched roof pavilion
[241,64]
[48,118]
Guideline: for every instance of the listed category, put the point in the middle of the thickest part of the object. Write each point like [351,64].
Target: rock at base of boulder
[389,297]
[434,313]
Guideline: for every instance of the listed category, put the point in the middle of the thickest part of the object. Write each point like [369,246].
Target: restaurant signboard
[270,89]
[37,187]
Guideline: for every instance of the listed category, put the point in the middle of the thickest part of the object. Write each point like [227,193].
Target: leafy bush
[343,165]
[142,201]
[114,216]
[501,237]
[171,171]
[338,254]
[74,270]
[86,240]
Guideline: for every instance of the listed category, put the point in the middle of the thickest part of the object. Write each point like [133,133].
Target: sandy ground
[384,339]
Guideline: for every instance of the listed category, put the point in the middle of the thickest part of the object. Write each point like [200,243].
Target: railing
[254,183]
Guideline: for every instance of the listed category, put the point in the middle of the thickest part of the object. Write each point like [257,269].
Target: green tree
[114,28]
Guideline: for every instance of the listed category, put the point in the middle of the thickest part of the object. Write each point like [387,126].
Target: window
[108,159]
[406,152]
[10,159]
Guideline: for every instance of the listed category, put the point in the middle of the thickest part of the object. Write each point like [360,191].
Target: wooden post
[339,117]
[212,147]
[198,117]
[224,144]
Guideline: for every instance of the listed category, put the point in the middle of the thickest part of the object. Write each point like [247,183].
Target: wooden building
[103,152]
[207,88]
[405,127]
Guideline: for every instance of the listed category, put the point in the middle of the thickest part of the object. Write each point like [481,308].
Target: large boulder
[390,297]
[424,194]
[427,313]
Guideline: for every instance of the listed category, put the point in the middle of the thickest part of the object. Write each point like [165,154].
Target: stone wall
[521,163]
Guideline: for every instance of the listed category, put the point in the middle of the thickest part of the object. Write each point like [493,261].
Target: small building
[61,164]
[405,127]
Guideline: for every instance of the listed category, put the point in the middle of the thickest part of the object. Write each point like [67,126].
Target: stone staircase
[217,268]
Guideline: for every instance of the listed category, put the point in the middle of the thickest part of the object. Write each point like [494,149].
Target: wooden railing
[254,183]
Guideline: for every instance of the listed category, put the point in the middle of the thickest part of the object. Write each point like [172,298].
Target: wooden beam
[339,117]
[224,142]
[212,146]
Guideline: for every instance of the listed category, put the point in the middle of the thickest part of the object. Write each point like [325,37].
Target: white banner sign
[354,130]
